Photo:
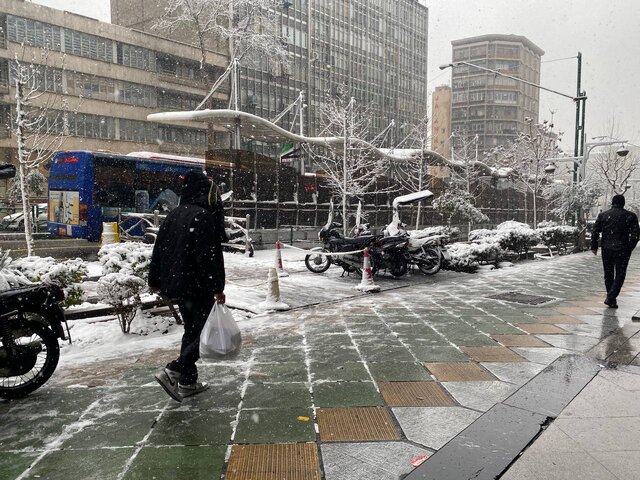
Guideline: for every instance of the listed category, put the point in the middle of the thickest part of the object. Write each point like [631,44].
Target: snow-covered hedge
[67,274]
[513,236]
[466,257]
[122,291]
[132,258]
[558,236]
[9,276]
[450,232]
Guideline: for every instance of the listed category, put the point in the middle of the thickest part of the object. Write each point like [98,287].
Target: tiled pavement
[353,389]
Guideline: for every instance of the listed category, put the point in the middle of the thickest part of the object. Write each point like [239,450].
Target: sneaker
[192,389]
[168,379]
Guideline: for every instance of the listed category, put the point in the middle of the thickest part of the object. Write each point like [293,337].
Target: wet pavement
[354,388]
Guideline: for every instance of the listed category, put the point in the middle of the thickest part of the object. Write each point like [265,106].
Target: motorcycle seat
[26,296]
[357,242]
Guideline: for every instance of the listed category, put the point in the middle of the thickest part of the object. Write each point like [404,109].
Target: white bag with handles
[220,337]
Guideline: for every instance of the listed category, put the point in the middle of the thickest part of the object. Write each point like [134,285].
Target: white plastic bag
[220,337]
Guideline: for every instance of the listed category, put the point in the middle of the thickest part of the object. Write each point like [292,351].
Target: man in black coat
[187,265]
[620,233]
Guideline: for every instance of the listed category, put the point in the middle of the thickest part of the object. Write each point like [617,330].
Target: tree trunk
[535,210]
[22,159]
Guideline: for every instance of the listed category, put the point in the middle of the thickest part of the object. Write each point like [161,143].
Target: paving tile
[544,356]
[275,426]
[439,354]
[493,326]
[621,464]
[458,372]
[380,354]
[123,399]
[20,432]
[13,464]
[274,395]
[557,466]
[336,355]
[627,380]
[479,395]
[602,434]
[414,394]
[99,464]
[492,354]
[573,311]
[177,463]
[557,319]
[278,372]
[346,394]
[536,328]
[55,401]
[358,424]
[348,371]
[373,461]
[602,398]
[398,371]
[519,341]
[279,355]
[112,430]
[297,461]
[185,428]
[578,343]
[218,397]
[433,426]
[517,373]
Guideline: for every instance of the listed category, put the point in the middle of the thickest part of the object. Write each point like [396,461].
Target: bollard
[279,268]
[109,233]
[273,301]
[367,284]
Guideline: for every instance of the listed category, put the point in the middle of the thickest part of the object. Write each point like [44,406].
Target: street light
[580,99]
[581,162]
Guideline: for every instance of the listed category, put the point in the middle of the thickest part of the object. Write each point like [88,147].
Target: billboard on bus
[64,207]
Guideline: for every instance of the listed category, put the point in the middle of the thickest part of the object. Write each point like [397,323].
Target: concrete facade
[491,106]
[441,120]
[110,77]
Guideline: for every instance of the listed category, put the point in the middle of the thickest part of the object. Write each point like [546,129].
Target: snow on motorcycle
[31,322]
[425,250]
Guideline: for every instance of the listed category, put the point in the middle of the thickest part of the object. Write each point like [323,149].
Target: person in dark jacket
[187,265]
[620,234]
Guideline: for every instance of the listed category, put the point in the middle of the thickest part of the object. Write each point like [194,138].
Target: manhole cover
[518,297]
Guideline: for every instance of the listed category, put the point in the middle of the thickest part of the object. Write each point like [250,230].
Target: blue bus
[89,188]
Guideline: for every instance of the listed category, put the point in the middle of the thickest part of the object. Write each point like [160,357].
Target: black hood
[199,190]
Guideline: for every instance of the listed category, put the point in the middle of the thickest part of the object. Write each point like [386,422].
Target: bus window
[114,186]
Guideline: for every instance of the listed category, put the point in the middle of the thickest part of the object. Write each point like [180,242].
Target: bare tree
[527,156]
[613,169]
[351,171]
[568,200]
[39,127]
[249,28]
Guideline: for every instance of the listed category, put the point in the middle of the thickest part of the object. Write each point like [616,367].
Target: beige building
[441,120]
[488,105]
[110,78]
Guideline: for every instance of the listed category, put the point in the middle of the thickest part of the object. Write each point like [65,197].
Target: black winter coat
[619,229]
[187,257]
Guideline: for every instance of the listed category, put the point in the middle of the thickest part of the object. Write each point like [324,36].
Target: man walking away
[620,233]
[187,265]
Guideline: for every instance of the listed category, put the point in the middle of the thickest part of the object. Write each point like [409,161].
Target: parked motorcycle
[385,253]
[424,250]
[31,322]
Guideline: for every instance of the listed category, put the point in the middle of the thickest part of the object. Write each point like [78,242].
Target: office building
[488,105]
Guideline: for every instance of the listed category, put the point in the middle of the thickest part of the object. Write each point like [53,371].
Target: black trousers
[615,264]
[194,315]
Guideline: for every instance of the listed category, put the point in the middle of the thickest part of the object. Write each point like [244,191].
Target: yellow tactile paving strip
[295,461]
[492,354]
[414,394]
[459,372]
[519,341]
[357,424]
[540,328]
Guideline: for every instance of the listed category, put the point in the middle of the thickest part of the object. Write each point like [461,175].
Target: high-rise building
[488,105]
[377,49]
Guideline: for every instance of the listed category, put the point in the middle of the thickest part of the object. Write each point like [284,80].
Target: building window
[32,33]
[89,46]
[136,57]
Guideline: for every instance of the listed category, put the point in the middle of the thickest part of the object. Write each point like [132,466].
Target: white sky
[605,31]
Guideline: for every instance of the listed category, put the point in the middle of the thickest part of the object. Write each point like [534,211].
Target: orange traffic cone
[367,285]
[280,269]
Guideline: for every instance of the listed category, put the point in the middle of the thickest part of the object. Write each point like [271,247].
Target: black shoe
[610,303]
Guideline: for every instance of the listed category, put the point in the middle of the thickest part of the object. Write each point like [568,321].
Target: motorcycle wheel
[30,330]
[430,261]
[317,263]
[399,267]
